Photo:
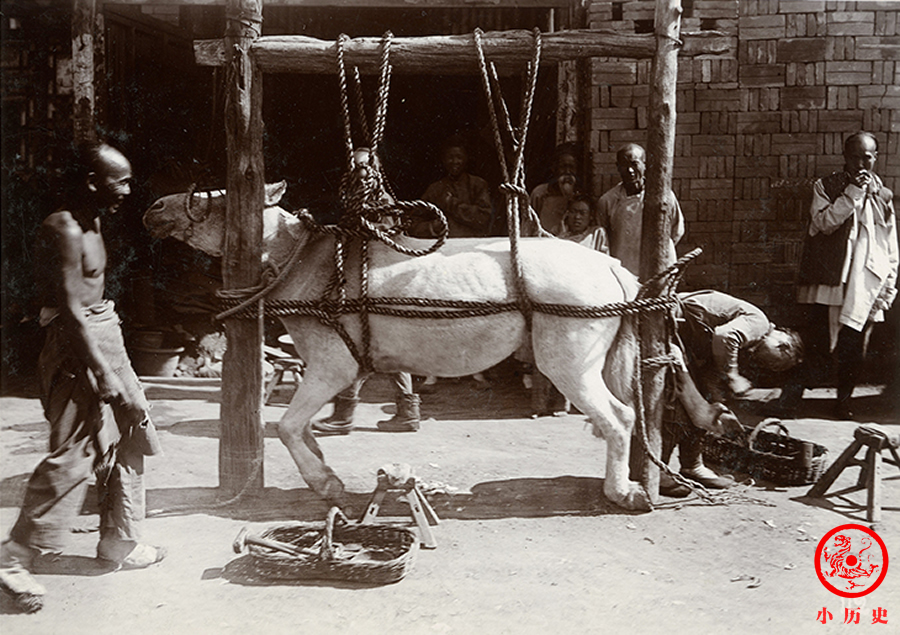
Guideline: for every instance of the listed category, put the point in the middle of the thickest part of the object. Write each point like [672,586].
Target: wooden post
[241,438]
[656,229]
[83,124]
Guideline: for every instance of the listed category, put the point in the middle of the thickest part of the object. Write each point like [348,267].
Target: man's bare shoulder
[62,224]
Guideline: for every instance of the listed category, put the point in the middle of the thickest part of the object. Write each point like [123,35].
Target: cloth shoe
[127,554]
[707,478]
[407,417]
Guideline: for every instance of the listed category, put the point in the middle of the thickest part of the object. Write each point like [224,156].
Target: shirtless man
[91,396]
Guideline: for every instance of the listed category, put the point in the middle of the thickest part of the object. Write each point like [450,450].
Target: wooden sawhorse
[398,477]
[281,363]
[875,441]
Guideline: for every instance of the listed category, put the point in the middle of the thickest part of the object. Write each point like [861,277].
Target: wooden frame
[248,55]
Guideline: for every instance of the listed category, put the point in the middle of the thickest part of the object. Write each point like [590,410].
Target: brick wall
[757,126]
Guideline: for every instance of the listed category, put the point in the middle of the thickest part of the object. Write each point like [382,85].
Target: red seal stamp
[851,560]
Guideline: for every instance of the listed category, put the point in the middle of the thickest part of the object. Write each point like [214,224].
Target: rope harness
[371,211]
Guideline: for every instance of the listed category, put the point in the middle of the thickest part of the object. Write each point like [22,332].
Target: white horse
[590,360]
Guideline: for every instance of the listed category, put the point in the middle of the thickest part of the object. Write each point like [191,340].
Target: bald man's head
[631,164]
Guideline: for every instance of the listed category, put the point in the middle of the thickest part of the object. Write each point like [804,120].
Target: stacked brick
[757,126]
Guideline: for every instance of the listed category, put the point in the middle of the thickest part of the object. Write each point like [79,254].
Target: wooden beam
[383,4]
[242,431]
[453,54]
[655,221]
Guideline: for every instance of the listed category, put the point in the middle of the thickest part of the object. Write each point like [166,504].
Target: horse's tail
[621,358]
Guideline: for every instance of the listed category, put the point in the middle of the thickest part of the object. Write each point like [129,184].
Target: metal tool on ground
[875,439]
[398,477]
[245,538]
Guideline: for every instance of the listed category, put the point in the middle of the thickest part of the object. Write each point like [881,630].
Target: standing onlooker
[99,417]
[551,200]
[621,210]
[580,225]
[464,198]
[850,257]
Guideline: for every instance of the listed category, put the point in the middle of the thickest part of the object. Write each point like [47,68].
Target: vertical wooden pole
[83,125]
[657,204]
[241,440]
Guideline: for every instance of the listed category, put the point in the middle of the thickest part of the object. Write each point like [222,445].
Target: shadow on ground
[513,498]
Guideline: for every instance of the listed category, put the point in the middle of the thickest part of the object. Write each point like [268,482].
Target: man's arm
[727,341]
[68,239]
[826,216]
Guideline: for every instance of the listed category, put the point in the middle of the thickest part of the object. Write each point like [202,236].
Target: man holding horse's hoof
[718,331]
[99,419]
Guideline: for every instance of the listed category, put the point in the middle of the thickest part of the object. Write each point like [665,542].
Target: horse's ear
[274,192]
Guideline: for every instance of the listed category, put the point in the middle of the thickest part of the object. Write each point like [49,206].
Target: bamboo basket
[776,457]
[348,551]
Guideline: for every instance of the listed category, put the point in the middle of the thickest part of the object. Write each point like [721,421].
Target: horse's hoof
[635,499]
[332,490]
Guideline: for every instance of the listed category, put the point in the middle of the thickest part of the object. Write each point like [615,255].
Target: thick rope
[383,92]
[345,107]
[514,190]
[673,275]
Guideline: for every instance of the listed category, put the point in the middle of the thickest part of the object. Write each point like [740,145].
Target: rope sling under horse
[367,202]
[365,205]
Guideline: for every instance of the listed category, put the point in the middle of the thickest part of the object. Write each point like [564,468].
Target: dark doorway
[304,132]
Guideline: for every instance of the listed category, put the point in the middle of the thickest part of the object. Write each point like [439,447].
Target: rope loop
[188,205]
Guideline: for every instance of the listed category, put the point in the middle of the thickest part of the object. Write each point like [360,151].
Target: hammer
[245,538]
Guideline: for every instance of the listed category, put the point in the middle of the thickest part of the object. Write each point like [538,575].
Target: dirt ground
[527,541]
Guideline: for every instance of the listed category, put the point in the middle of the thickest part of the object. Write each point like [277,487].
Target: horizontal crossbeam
[453,54]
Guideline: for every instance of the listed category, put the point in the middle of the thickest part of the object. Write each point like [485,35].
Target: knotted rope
[513,188]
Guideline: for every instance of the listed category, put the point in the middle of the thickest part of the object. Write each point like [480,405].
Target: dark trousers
[817,367]
[402,381]
[849,351]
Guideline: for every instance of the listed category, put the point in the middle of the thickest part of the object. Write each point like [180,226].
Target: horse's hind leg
[572,354]
[612,420]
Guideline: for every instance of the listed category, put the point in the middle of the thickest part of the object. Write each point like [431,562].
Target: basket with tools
[335,550]
[773,456]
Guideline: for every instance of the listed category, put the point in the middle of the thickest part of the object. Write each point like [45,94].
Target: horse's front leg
[295,432]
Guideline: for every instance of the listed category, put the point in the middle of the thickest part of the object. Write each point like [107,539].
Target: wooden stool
[398,477]
[281,363]
[875,441]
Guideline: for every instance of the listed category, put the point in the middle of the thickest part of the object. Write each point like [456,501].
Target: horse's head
[198,219]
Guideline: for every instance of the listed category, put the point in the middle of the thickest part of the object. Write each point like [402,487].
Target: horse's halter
[188,210]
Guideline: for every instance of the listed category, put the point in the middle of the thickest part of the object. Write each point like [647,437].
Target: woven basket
[369,554]
[776,457]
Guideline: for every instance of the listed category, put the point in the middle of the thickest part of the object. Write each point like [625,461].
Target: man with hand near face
[848,271]
[464,198]
[551,200]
